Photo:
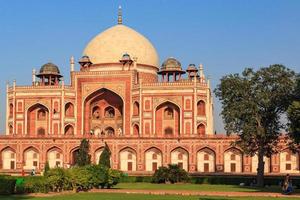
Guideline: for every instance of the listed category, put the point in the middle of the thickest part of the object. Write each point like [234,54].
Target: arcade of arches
[127,159]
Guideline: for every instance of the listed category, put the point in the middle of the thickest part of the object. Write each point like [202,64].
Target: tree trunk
[260,169]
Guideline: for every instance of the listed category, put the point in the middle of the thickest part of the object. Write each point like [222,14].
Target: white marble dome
[110,45]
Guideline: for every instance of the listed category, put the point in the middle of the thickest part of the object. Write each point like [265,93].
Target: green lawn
[97,196]
[197,187]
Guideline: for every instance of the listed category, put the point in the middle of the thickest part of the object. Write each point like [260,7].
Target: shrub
[113,177]
[172,173]
[58,180]
[98,175]
[80,178]
[103,176]
[161,175]
[7,184]
[33,184]
[177,174]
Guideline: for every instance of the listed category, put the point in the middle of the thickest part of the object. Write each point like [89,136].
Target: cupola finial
[120,15]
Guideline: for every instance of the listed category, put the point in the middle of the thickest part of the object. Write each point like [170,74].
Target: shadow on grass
[15,197]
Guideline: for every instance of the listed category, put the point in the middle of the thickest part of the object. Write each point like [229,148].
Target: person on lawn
[287,187]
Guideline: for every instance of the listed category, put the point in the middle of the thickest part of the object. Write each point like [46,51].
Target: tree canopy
[293,115]
[252,104]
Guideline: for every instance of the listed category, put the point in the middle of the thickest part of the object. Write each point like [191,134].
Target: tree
[83,157]
[47,168]
[252,104]
[293,115]
[105,157]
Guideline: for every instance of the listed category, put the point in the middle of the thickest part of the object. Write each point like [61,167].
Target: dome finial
[120,15]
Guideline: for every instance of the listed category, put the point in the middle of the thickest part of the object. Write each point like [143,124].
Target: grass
[106,196]
[198,187]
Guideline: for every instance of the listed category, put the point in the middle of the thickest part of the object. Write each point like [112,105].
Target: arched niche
[180,157]
[167,120]
[128,159]
[37,120]
[153,159]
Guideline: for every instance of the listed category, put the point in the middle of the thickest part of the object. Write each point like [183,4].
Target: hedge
[218,179]
[136,179]
[7,184]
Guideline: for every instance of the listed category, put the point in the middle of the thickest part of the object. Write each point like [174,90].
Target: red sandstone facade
[149,116]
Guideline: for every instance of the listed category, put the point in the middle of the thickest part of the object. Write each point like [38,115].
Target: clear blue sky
[226,36]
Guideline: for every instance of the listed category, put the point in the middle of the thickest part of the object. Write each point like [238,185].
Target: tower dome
[49,68]
[110,45]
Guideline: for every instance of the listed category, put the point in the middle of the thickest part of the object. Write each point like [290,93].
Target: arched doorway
[127,159]
[167,120]
[8,158]
[289,161]
[180,157]
[31,158]
[233,159]
[153,159]
[74,155]
[102,109]
[37,120]
[206,160]
[55,157]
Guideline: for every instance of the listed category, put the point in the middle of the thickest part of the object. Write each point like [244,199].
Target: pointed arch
[31,156]
[55,157]
[136,108]
[109,112]
[97,154]
[109,131]
[201,108]
[73,153]
[180,156]
[109,105]
[233,160]
[8,158]
[10,129]
[153,159]
[37,117]
[69,109]
[206,160]
[128,159]
[167,119]
[69,129]
[289,161]
[136,129]
[11,110]
[201,129]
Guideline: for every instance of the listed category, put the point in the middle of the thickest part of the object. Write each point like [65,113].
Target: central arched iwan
[103,108]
